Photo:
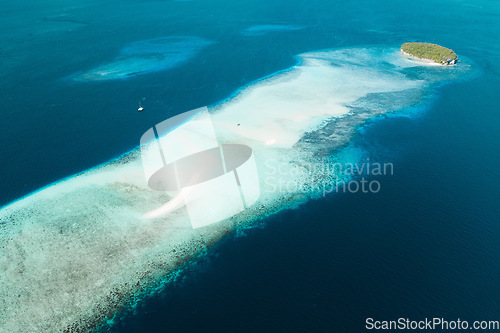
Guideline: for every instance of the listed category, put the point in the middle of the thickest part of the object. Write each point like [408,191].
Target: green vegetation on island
[428,51]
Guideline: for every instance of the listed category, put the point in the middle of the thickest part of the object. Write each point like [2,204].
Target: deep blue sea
[426,245]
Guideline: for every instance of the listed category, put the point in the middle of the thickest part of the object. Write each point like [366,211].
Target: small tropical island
[431,52]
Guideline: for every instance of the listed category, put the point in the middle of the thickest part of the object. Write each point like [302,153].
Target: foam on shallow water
[145,57]
[78,252]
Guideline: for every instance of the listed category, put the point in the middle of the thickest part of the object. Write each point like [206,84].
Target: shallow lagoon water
[147,56]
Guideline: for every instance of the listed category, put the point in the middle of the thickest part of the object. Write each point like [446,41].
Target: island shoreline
[431,62]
